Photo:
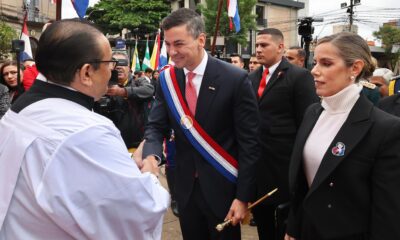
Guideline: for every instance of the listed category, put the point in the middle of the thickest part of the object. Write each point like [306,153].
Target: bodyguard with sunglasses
[65,172]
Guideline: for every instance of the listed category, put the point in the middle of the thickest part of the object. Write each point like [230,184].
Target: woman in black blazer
[344,173]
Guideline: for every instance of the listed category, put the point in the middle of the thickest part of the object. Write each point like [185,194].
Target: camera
[103,105]
[18,45]
[122,62]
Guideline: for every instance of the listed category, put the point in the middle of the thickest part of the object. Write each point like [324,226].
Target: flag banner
[27,53]
[233,12]
[155,55]
[146,60]
[135,60]
[163,56]
[80,7]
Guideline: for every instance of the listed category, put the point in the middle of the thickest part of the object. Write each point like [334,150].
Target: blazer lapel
[302,135]
[278,74]
[350,134]
[208,89]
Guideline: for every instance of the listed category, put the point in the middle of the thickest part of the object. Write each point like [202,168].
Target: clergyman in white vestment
[64,170]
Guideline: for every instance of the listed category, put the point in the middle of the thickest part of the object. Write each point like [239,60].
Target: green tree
[7,34]
[141,17]
[390,36]
[247,20]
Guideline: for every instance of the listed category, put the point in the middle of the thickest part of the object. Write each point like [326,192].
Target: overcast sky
[369,15]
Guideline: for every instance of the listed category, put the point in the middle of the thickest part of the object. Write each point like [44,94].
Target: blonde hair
[352,47]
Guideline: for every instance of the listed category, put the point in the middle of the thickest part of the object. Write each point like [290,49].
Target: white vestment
[65,174]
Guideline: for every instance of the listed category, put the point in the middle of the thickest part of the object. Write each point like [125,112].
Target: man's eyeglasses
[112,63]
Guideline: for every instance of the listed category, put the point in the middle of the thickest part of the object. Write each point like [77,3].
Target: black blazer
[354,194]
[288,93]
[227,111]
[390,104]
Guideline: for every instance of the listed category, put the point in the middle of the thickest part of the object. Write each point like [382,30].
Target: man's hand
[137,155]
[287,237]
[237,212]
[150,164]
[116,90]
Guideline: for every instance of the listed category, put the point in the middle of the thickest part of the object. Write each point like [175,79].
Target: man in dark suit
[284,92]
[391,104]
[220,99]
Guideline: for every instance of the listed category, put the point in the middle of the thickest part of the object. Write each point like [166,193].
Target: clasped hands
[149,164]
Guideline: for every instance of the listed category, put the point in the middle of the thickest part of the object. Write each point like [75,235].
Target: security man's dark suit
[288,93]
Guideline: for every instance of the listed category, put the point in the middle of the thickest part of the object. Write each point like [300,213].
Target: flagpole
[58,9]
[216,27]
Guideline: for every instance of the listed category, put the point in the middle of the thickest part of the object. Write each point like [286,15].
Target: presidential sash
[211,151]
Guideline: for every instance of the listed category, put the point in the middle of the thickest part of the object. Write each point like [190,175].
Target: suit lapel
[278,74]
[302,135]
[208,89]
[181,79]
[350,134]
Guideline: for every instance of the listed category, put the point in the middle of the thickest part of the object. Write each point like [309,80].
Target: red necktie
[263,83]
[190,93]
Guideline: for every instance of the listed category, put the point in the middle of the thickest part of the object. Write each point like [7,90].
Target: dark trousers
[198,222]
[265,219]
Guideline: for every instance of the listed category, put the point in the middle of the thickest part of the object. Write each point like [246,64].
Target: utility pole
[350,11]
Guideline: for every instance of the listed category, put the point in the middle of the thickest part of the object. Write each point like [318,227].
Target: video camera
[104,103]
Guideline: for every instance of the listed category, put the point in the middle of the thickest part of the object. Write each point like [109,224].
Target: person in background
[8,77]
[237,60]
[381,78]
[148,74]
[65,172]
[128,99]
[30,73]
[296,55]
[345,169]
[4,100]
[253,63]
[284,92]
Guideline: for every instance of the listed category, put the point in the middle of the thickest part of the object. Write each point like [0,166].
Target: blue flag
[80,7]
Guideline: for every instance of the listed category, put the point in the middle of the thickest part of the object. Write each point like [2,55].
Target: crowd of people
[82,139]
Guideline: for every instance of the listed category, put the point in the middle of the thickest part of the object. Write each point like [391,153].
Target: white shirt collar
[201,68]
[272,69]
[41,77]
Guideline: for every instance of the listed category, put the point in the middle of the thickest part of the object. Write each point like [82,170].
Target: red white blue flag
[27,53]
[80,7]
[233,13]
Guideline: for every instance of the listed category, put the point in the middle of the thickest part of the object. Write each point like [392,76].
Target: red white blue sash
[222,161]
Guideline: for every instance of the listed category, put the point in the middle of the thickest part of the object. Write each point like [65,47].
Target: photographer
[125,102]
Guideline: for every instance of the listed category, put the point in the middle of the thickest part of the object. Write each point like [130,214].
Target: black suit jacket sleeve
[246,124]
[158,126]
[385,186]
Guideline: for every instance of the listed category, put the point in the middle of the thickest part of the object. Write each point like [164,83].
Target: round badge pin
[186,122]
[338,149]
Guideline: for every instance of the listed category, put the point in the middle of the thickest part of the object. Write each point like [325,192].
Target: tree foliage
[141,17]
[390,35]
[7,34]
[247,20]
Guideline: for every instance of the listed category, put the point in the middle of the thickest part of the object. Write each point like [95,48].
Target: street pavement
[171,229]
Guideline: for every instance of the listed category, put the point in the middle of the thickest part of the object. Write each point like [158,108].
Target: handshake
[149,164]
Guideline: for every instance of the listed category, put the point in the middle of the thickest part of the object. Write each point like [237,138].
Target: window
[260,15]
